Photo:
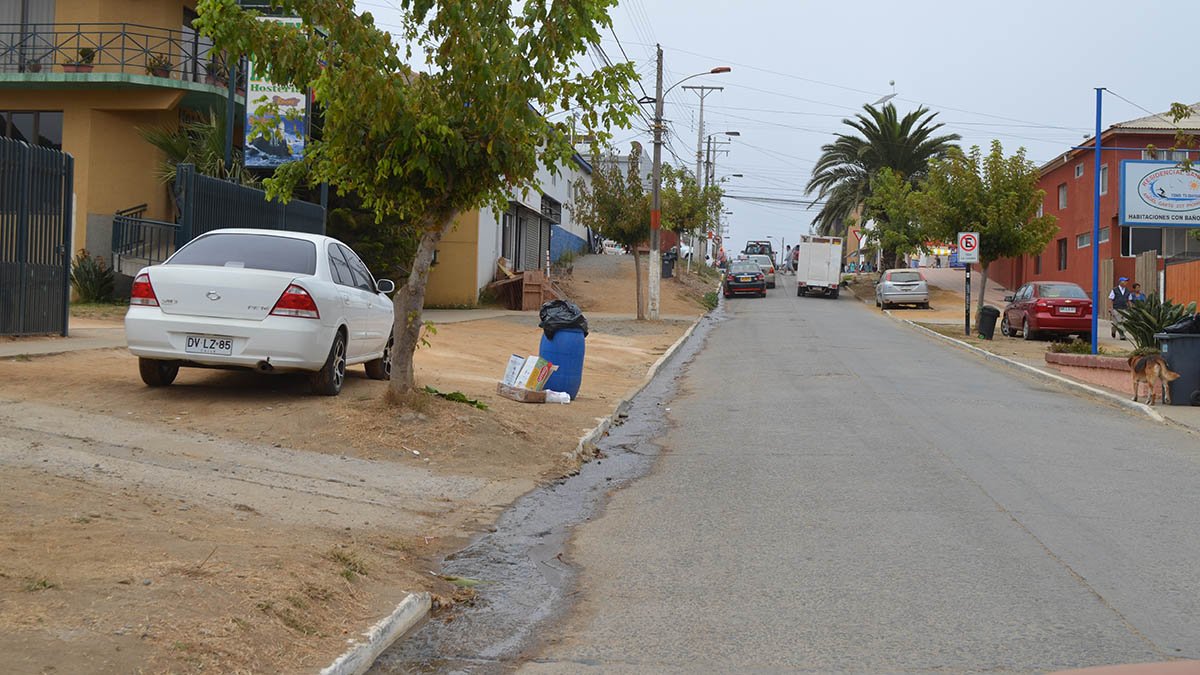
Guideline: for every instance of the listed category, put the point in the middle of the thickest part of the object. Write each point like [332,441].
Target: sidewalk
[86,334]
[952,280]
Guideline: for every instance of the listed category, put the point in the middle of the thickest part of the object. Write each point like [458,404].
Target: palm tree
[199,141]
[842,176]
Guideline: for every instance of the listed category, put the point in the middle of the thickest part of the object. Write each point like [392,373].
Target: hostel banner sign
[287,143]
[1160,194]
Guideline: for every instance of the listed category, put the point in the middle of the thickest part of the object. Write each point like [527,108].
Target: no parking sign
[968,247]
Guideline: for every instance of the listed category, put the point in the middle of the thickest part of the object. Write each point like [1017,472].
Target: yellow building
[84,75]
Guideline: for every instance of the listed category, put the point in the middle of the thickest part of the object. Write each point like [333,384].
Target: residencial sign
[968,247]
[1161,194]
[287,144]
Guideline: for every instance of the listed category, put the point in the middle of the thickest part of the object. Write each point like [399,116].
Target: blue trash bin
[564,350]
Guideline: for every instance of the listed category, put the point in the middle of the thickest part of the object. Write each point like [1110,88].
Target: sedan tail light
[771,270]
[759,276]
[296,301]
[729,278]
[142,292]
[1042,304]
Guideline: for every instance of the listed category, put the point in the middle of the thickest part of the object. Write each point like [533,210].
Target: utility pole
[702,91]
[655,276]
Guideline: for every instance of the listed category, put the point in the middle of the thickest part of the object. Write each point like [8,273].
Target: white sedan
[261,299]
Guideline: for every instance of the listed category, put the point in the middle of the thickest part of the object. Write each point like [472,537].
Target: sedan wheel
[1026,332]
[1005,330]
[381,368]
[156,373]
[328,380]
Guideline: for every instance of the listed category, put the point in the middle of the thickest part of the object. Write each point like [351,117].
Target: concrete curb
[587,443]
[1042,374]
[362,654]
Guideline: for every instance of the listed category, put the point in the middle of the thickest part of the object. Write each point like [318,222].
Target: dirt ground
[605,284]
[233,523]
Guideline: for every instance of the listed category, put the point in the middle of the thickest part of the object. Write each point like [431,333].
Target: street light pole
[655,276]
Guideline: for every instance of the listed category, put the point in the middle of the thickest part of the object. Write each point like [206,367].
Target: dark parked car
[1048,308]
[744,277]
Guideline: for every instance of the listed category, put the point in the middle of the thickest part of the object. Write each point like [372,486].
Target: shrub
[91,278]
[1075,346]
[710,300]
[1142,319]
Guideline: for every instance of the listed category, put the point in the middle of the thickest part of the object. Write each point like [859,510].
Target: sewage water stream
[525,582]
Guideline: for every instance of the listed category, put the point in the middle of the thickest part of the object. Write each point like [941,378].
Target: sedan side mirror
[385,286]
[1009,298]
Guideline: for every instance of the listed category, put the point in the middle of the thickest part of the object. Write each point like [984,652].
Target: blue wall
[561,241]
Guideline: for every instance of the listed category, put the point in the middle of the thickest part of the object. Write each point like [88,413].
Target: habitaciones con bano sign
[1162,194]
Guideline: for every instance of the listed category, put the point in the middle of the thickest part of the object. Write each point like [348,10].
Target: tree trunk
[408,303]
[637,277]
[983,277]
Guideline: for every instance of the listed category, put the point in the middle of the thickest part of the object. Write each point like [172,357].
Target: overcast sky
[1020,71]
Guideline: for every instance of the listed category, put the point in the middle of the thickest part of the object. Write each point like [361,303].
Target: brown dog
[1151,369]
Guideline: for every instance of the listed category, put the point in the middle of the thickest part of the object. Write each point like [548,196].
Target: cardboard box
[534,373]
[519,394]
[514,367]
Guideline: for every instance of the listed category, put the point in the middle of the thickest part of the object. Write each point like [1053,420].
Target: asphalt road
[839,493]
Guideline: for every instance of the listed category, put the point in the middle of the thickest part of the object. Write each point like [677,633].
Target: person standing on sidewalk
[1119,296]
[1136,295]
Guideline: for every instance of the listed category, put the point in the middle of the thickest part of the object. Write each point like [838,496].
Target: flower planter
[160,72]
[216,81]
[1110,372]
[77,67]
[33,67]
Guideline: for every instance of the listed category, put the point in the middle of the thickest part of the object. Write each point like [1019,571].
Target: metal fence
[138,241]
[207,203]
[35,238]
[112,48]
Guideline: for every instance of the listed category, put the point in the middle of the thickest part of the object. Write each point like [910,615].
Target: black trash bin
[1182,353]
[985,323]
[668,264]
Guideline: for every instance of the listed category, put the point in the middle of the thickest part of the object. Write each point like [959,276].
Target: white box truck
[818,265]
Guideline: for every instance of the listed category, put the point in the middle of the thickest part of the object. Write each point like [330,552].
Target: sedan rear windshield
[904,276]
[744,268]
[1062,291]
[250,251]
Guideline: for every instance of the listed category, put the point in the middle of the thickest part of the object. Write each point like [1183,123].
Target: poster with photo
[287,143]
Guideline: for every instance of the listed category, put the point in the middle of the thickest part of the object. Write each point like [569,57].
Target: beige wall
[114,167]
[162,13]
[452,281]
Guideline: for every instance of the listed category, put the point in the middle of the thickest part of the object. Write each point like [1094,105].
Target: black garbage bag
[559,314]
[1188,326]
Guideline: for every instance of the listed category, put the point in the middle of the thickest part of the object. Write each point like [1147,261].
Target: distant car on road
[1048,308]
[902,287]
[261,300]
[744,277]
[768,267]
[613,248]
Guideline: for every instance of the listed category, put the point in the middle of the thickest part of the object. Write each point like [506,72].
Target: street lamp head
[736,175]
[720,69]
[733,133]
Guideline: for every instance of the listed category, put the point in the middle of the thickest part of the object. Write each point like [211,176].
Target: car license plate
[743,278]
[1068,310]
[209,344]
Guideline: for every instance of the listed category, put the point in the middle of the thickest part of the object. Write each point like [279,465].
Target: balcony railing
[112,48]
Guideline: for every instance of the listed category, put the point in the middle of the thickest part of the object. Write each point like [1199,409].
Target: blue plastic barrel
[566,352]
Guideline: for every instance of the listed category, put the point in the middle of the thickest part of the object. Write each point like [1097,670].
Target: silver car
[902,287]
[768,267]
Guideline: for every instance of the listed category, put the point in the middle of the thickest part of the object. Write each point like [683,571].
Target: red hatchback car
[1048,308]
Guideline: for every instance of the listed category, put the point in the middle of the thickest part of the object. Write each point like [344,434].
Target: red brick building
[1068,183]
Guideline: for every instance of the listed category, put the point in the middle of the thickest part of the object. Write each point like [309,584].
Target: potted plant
[33,65]
[216,73]
[82,64]
[159,66]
